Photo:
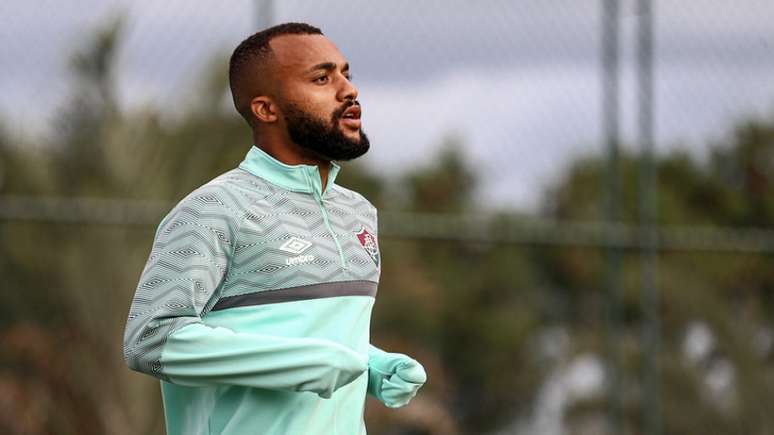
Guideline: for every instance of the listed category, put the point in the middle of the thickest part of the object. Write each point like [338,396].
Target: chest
[294,239]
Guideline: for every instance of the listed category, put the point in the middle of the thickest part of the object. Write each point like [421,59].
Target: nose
[348,91]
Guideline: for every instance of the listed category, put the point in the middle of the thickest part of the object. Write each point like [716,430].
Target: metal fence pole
[264,13]
[610,109]
[651,326]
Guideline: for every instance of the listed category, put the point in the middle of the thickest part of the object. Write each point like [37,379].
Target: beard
[324,140]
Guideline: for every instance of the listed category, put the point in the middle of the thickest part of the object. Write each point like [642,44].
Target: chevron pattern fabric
[228,238]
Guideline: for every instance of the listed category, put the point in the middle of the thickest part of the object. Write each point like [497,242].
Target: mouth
[351,117]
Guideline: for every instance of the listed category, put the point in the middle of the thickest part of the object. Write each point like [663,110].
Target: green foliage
[731,294]
[474,313]
[447,186]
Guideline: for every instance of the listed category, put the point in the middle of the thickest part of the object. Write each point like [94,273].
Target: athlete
[254,306]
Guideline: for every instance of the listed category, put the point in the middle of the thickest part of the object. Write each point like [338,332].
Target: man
[254,306]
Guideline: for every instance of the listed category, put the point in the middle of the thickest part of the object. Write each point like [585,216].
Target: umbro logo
[295,246]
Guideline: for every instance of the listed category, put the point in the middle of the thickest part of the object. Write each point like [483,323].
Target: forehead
[298,53]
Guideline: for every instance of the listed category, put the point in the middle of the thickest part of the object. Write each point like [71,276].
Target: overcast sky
[518,81]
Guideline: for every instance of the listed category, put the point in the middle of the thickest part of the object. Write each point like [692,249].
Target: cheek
[315,101]
[322,108]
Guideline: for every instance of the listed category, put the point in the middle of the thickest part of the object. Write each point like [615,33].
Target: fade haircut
[251,54]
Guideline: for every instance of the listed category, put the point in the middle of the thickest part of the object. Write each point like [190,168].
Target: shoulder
[221,203]
[353,199]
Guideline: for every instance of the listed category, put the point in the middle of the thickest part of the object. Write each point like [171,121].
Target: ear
[263,109]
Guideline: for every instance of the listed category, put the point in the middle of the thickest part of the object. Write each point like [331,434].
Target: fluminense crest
[368,241]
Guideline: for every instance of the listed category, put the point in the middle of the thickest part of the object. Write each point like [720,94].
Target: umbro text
[301,259]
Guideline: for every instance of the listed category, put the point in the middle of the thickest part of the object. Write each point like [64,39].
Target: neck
[289,153]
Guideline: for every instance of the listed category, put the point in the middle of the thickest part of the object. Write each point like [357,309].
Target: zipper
[330,229]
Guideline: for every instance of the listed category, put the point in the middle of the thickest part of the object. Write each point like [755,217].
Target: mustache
[340,111]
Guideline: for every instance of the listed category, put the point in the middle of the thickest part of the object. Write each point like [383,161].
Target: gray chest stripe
[300,293]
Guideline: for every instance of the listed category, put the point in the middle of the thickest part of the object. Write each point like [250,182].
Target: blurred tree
[476,314]
[473,305]
[62,304]
[731,294]
[746,170]
[445,187]
[81,129]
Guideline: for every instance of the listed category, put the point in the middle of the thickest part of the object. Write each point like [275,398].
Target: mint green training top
[254,306]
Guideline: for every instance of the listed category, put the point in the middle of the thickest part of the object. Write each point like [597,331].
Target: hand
[395,378]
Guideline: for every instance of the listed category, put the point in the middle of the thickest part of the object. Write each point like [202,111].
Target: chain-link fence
[544,287]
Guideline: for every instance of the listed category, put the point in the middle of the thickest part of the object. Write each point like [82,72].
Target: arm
[166,338]
[393,378]
[198,355]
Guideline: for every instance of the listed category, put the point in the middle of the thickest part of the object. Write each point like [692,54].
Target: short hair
[253,51]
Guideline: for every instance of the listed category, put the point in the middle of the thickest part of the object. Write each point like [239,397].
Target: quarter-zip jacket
[254,306]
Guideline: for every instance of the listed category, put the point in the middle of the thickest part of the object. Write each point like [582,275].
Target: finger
[396,396]
[398,386]
[412,371]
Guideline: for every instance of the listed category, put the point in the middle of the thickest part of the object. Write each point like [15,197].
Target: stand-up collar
[298,178]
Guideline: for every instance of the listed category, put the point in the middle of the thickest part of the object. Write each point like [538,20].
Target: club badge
[369,244]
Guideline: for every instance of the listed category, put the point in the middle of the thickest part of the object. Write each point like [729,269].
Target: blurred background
[576,203]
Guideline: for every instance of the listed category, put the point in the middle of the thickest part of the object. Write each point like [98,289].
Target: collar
[298,178]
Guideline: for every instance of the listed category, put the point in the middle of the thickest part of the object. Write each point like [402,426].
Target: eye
[349,76]
[321,80]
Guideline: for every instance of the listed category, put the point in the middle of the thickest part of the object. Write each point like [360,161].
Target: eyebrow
[327,66]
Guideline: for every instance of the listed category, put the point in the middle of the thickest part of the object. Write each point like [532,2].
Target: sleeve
[393,378]
[166,338]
